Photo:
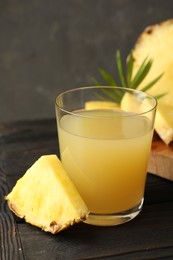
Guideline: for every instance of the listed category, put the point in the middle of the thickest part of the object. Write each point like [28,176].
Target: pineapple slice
[156,42]
[45,196]
[90,105]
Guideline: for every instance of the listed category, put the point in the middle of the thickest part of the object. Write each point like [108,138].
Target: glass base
[114,219]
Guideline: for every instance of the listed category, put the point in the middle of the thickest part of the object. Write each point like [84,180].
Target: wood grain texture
[137,239]
[10,243]
[161,159]
[149,236]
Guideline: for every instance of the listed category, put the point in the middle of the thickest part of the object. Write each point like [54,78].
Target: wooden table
[149,236]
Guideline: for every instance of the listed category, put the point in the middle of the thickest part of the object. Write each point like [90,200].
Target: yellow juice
[105,154]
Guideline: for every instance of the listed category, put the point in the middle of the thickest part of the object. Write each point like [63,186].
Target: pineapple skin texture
[156,43]
[45,197]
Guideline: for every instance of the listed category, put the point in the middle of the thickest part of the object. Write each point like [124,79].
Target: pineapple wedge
[156,42]
[45,196]
[164,115]
[164,123]
[130,103]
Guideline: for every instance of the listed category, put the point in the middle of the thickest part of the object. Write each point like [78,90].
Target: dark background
[50,46]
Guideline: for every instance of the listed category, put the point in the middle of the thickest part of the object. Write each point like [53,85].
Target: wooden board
[161,159]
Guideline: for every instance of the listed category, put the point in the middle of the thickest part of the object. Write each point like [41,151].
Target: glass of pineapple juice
[105,136]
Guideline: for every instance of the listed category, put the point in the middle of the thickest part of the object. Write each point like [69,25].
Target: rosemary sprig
[125,77]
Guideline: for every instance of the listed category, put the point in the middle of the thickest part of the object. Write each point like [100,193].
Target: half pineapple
[46,197]
[156,42]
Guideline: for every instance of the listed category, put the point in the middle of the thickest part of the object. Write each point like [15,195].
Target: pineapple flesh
[164,115]
[156,43]
[164,123]
[46,197]
[90,105]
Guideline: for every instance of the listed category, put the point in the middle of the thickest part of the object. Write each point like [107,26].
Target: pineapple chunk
[164,116]
[130,103]
[156,42]
[89,105]
[46,197]
[164,123]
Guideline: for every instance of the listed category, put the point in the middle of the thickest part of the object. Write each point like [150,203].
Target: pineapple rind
[46,197]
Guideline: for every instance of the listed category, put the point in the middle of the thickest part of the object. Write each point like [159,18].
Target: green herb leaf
[109,93]
[149,85]
[120,69]
[141,73]
[125,77]
[96,82]
[160,96]
[130,61]
[107,77]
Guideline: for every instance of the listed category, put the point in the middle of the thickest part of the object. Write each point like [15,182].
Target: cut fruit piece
[90,105]
[164,116]
[130,103]
[46,197]
[164,123]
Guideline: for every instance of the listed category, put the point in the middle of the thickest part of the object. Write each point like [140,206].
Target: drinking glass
[105,136]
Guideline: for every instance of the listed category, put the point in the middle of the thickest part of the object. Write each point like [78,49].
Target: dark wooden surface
[149,236]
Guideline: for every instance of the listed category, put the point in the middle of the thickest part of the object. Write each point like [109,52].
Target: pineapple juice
[105,153]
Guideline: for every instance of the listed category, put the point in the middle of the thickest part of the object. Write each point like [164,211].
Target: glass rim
[101,87]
